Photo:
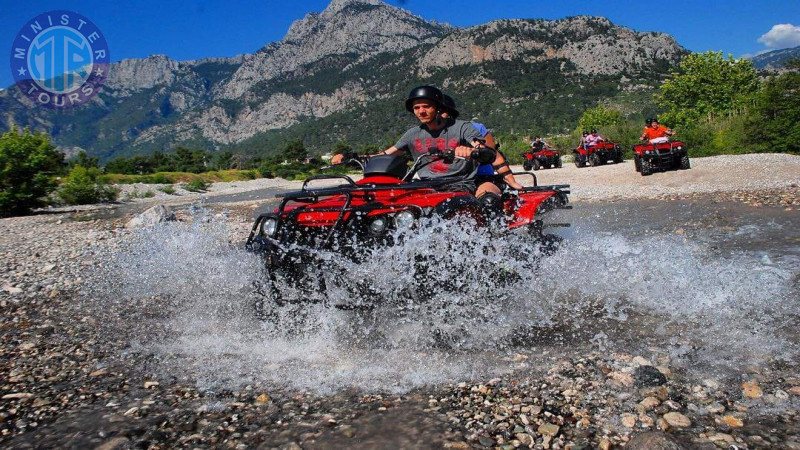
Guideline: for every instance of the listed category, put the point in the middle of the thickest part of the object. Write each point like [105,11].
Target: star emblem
[99,72]
[22,71]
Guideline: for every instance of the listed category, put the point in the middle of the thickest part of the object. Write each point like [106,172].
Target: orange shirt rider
[656,133]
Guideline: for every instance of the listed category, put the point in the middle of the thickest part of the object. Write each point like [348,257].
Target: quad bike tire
[526,165]
[684,163]
[594,161]
[618,158]
[636,163]
[646,167]
[580,161]
[547,166]
[558,162]
[536,164]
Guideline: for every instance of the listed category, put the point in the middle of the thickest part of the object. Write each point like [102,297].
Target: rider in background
[583,139]
[538,143]
[655,133]
[485,171]
[592,139]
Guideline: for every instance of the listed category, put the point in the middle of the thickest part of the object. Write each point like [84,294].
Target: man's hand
[463,151]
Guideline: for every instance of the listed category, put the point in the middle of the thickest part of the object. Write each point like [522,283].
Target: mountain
[776,58]
[342,74]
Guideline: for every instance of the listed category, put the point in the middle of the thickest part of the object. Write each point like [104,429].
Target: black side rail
[531,174]
[328,177]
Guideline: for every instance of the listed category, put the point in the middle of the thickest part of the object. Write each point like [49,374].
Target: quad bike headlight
[378,225]
[404,220]
[679,147]
[270,227]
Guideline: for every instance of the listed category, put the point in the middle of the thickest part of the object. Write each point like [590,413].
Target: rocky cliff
[355,56]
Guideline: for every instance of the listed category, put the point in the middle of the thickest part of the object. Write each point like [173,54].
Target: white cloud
[781,36]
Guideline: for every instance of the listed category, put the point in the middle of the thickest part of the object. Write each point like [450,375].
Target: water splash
[187,291]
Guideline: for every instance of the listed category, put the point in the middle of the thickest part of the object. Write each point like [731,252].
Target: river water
[710,286]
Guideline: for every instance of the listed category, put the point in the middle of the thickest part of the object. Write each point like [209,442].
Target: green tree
[295,150]
[224,161]
[83,159]
[341,147]
[774,124]
[83,186]
[599,117]
[707,86]
[28,166]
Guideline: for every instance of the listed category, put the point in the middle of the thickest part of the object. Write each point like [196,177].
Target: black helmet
[650,120]
[585,132]
[594,131]
[427,92]
[449,106]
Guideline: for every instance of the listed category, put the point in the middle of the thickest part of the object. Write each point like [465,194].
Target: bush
[167,190]
[196,186]
[84,186]
[28,167]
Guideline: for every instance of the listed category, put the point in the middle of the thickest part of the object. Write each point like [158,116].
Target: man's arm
[337,159]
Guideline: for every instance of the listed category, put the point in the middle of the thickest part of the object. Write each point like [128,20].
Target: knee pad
[491,202]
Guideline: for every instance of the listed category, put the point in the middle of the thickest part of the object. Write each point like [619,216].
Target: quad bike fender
[528,206]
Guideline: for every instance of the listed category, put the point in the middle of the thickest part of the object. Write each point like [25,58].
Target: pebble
[732,421]
[548,429]
[751,389]
[650,402]
[629,420]
[677,420]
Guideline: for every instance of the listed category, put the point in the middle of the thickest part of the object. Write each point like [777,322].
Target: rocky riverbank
[73,374]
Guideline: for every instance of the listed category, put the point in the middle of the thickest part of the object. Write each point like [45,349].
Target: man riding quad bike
[354,217]
[594,151]
[659,153]
[540,156]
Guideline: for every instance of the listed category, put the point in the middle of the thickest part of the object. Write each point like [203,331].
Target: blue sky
[196,29]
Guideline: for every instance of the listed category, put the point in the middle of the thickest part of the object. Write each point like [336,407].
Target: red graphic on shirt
[440,144]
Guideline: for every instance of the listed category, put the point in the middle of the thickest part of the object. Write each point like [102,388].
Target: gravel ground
[66,381]
[727,173]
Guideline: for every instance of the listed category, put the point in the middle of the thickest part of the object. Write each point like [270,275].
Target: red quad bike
[598,154]
[536,159]
[648,158]
[357,216]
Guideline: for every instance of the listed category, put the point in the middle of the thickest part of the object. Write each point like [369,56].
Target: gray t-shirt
[419,139]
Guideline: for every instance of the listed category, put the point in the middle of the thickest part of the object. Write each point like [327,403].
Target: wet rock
[628,420]
[652,440]
[152,216]
[548,429]
[18,396]
[525,439]
[641,361]
[648,376]
[751,389]
[650,403]
[113,444]
[622,378]
[677,420]
[732,421]
[717,437]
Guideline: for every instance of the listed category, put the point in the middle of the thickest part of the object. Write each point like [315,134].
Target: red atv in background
[648,158]
[537,158]
[598,154]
